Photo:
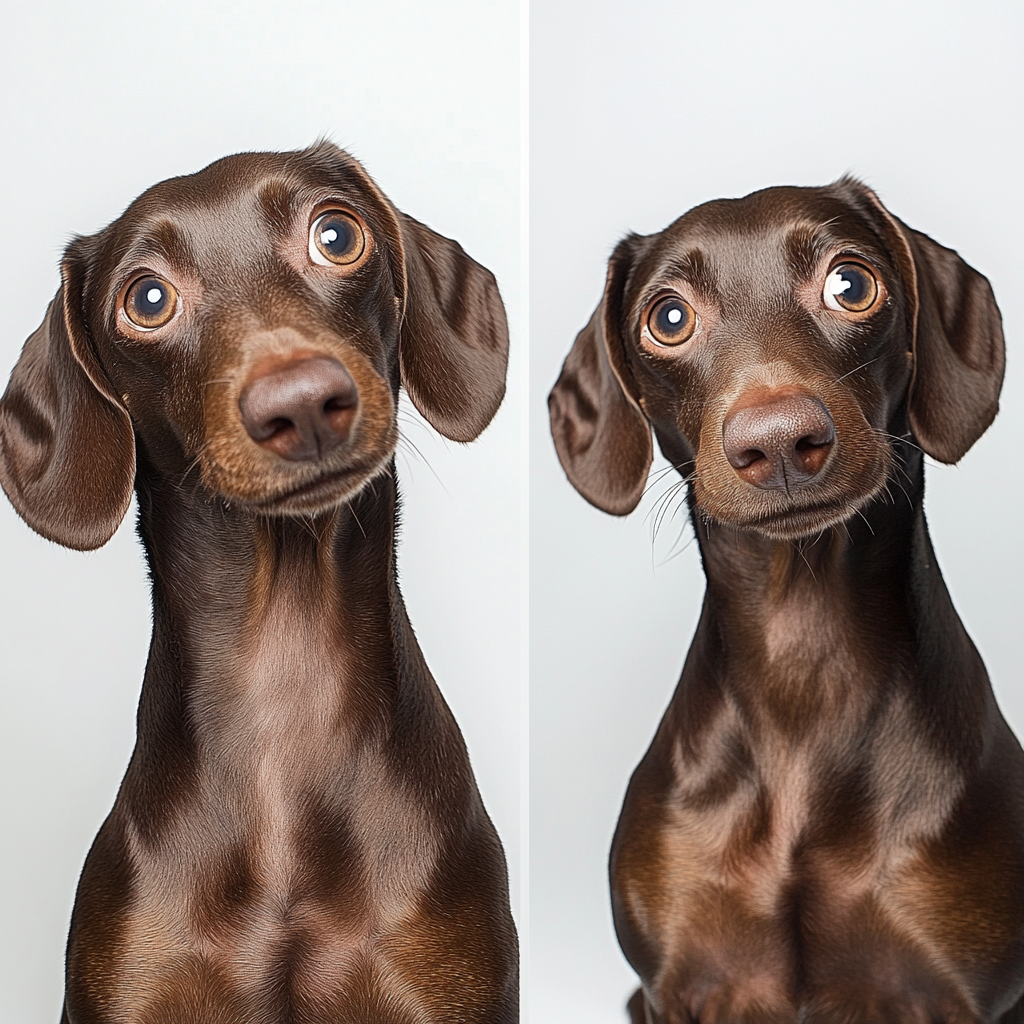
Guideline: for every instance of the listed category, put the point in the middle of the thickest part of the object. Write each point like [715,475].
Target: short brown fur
[298,837]
[829,824]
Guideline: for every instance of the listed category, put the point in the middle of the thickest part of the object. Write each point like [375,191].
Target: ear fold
[67,450]
[958,348]
[601,435]
[454,345]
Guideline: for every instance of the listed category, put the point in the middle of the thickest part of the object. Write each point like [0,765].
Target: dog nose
[303,410]
[780,443]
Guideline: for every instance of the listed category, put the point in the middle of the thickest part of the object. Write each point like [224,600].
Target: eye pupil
[856,287]
[337,236]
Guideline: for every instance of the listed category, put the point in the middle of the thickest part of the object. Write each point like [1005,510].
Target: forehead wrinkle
[693,268]
[806,246]
[751,271]
[315,185]
[162,241]
[279,203]
[221,238]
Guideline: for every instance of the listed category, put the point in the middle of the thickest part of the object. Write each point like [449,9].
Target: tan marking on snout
[234,465]
[854,473]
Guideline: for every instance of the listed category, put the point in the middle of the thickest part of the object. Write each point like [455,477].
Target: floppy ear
[453,350]
[602,438]
[959,353]
[957,338]
[67,451]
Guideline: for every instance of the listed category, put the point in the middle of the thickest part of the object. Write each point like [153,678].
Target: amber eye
[850,286]
[336,238]
[151,302]
[671,321]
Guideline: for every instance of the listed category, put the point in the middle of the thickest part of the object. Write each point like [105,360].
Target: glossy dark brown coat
[298,837]
[829,824]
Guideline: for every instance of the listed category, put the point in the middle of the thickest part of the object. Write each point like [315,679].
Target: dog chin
[327,491]
[797,523]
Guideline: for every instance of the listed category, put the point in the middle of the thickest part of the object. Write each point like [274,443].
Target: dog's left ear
[957,332]
[959,352]
[454,344]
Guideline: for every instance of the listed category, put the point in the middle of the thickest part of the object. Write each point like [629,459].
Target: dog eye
[150,303]
[336,238]
[671,321]
[851,287]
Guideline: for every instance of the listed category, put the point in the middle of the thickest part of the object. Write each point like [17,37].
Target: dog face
[777,345]
[251,323]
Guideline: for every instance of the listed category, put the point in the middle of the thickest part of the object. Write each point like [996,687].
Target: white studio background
[639,111]
[99,102]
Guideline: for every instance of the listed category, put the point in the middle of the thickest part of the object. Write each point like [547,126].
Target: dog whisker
[409,448]
[853,371]
[356,518]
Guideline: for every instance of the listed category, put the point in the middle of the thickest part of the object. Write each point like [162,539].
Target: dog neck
[281,648]
[227,582]
[797,631]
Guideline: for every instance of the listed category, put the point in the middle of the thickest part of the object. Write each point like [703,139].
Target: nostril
[275,426]
[339,403]
[823,435]
[811,452]
[745,458]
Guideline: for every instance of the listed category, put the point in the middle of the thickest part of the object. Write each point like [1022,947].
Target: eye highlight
[670,322]
[150,302]
[851,287]
[336,238]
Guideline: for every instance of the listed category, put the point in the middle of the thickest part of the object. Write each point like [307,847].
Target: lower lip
[822,516]
[326,484]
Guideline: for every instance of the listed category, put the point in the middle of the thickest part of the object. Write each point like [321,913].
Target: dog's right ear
[67,450]
[601,435]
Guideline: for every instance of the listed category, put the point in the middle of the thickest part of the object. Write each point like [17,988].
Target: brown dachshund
[298,838]
[828,827]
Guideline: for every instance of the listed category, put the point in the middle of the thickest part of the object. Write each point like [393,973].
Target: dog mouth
[329,489]
[794,517]
[243,474]
[790,482]
[315,459]
[799,523]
